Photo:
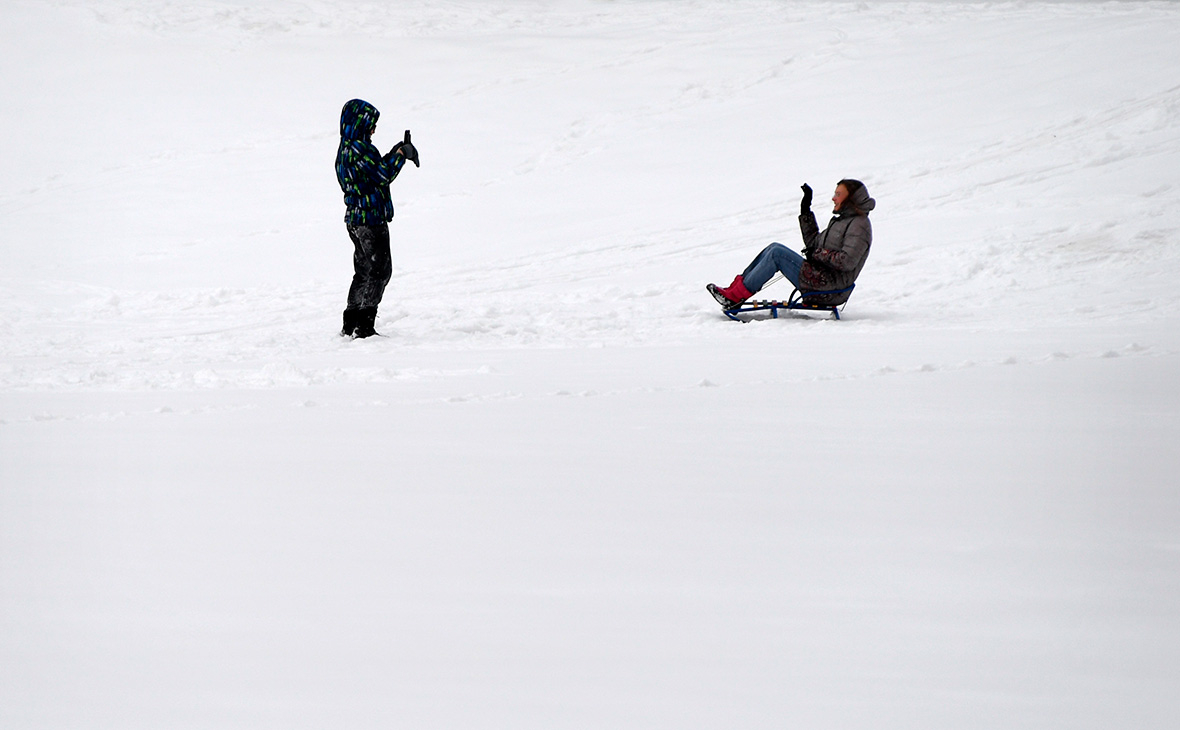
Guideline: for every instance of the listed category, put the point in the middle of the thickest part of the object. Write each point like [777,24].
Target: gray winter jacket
[836,255]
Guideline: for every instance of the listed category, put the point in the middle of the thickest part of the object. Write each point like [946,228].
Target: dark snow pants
[371,264]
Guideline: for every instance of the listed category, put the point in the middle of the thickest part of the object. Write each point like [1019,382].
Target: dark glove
[805,204]
[407,150]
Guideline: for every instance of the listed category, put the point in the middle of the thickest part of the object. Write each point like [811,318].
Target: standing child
[364,176]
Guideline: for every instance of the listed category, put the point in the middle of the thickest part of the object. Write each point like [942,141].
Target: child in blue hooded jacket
[364,175]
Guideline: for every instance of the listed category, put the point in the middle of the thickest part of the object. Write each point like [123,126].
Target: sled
[796,301]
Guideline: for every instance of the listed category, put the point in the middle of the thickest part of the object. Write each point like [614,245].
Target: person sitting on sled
[831,259]
[364,175]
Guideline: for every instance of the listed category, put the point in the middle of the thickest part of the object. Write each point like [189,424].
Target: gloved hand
[805,204]
[407,149]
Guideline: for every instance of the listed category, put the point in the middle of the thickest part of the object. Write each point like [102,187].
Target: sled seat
[830,300]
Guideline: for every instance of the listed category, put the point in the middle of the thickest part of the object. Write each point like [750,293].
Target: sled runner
[813,301]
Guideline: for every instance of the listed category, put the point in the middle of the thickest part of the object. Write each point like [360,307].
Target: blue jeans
[775,257]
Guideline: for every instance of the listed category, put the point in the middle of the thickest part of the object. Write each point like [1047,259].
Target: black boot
[365,319]
[349,323]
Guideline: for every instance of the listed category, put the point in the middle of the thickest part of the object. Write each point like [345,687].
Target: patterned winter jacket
[363,173]
[836,255]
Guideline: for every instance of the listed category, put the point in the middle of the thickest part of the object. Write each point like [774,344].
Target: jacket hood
[858,195]
[863,201]
[358,119]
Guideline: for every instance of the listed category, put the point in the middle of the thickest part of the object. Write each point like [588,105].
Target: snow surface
[563,491]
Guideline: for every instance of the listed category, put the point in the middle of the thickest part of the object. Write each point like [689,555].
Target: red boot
[732,295]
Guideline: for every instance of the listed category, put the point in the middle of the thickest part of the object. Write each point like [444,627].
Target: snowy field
[563,491]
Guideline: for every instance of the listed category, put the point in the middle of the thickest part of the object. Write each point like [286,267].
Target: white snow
[564,491]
